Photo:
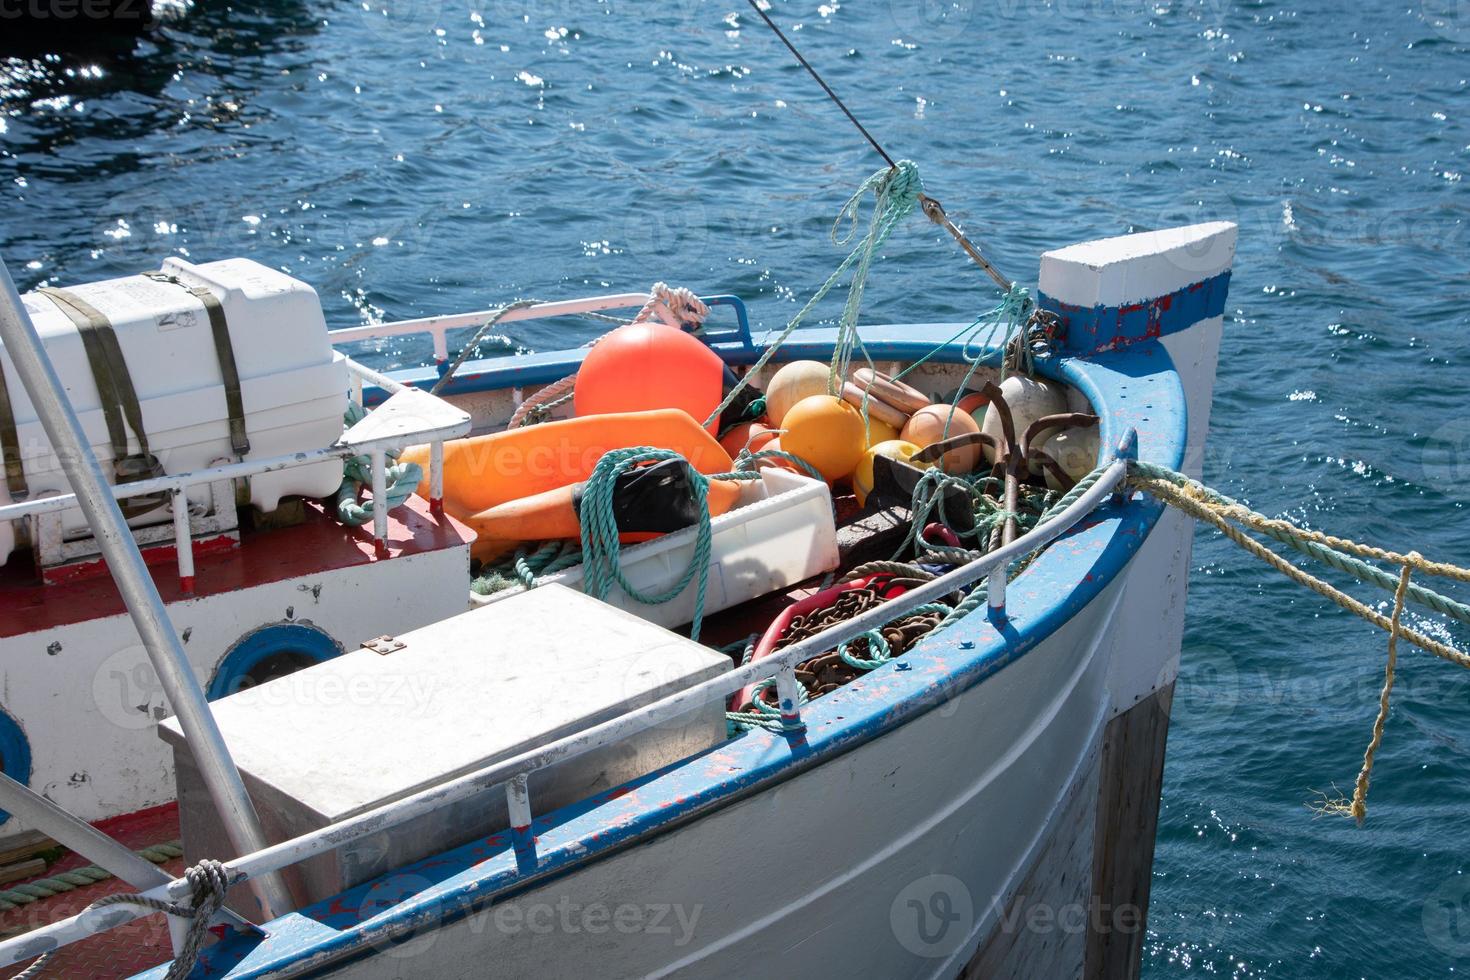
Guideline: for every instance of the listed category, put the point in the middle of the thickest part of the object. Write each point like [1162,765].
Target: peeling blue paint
[1089,330]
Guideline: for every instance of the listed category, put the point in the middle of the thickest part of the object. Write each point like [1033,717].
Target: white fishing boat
[403,776]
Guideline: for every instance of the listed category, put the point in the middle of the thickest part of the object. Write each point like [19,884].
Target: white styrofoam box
[293,384]
[366,729]
[780,533]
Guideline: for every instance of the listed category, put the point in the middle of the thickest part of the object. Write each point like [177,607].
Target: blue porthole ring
[268,652]
[15,754]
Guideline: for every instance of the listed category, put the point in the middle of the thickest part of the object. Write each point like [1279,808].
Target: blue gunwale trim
[1135,387]
[1090,330]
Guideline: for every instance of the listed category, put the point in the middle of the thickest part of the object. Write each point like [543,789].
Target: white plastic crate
[779,534]
[293,384]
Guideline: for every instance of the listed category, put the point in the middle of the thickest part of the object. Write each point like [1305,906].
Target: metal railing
[438,327]
[513,773]
[177,486]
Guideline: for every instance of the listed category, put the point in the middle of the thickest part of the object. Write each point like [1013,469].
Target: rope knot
[673,306]
[208,881]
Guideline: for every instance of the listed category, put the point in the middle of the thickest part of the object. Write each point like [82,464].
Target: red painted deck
[126,950]
[319,544]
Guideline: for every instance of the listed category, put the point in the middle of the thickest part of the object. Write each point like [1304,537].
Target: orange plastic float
[936,423]
[554,514]
[828,433]
[484,471]
[794,382]
[862,477]
[647,366]
[754,436]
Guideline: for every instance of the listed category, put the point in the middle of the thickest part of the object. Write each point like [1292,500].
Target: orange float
[648,366]
[554,514]
[483,471]
[754,436]
[862,477]
[936,423]
[828,433]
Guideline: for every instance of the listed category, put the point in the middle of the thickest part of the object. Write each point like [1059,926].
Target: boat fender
[877,408]
[1028,399]
[938,423]
[646,502]
[903,397]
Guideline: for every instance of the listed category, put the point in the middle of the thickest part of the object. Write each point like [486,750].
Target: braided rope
[1196,505]
[1198,501]
[208,882]
[1358,808]
[43,888]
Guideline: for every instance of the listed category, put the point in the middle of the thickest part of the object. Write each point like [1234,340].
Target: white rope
[673,306]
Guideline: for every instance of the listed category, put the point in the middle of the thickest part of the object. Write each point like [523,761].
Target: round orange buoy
[754,436]
[646,366]
[879,431]
[828,433]
[791,384]
[973,404]
[935,423]
[862,477]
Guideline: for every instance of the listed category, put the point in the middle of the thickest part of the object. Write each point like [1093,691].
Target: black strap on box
[224,350]
[109,370]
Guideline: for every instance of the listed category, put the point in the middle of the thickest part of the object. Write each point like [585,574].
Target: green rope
[981,592]
[601,547]
[43,888]
[1330,557]
[527,567]
[357,472]
[896,193]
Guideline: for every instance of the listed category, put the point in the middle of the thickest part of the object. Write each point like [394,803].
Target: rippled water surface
[451,154]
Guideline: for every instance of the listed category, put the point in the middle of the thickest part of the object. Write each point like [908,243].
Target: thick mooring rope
[1231,518]
[41,889]
[208,882]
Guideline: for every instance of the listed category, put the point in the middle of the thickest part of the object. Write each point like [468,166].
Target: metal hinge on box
[384,645]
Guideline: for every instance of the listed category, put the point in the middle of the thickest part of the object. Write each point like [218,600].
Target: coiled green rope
[357,472]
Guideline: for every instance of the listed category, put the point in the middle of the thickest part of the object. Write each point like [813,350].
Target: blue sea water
[417,156]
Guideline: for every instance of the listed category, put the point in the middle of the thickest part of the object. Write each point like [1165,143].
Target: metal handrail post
[125,562]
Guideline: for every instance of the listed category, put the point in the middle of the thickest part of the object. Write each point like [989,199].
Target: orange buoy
[647,366]
[862,477]
[793,383]
[938,422]
[974,403]
[828,433]
[482,471]
[754,436]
